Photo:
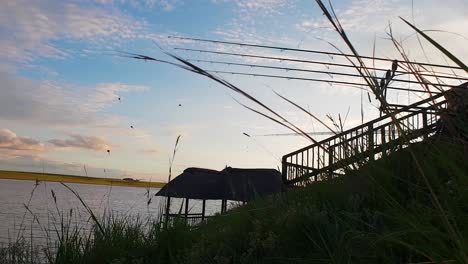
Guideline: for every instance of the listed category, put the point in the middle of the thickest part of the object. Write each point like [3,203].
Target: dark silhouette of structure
[444,115]
[233,184]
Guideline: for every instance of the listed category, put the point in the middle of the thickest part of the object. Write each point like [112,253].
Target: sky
[67,94]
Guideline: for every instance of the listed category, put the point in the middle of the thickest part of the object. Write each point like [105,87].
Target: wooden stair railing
[369,141]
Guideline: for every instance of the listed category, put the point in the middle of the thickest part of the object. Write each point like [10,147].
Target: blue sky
[61,79]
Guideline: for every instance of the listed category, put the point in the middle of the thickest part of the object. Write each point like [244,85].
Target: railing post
[330,161]
[370,131]
[186,206]
[382,143]
[284,172]
[424,119]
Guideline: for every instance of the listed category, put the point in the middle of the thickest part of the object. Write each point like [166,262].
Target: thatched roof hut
[195,183]
[229,184]
[247,184]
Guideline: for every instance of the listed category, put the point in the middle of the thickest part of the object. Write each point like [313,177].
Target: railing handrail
[341,134]
[413,113]
[361,143]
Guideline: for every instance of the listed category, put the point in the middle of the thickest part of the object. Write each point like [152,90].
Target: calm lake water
[44,212]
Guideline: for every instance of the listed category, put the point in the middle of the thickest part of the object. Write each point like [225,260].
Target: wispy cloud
[152,151]
[249,15]
[167,5]
[84,142]
[265,7]
[59,104]
[31,29]
[357,15]
[106,94]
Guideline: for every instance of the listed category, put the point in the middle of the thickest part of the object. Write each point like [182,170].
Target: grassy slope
[15,175]
[382,213]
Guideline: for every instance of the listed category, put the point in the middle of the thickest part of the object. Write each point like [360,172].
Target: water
[32,211]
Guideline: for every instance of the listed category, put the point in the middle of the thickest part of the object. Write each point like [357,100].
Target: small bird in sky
[108,151]
[131,126]
[180,104]
[119,99]
[246,134]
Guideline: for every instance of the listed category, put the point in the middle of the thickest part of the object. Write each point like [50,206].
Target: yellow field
[15,175]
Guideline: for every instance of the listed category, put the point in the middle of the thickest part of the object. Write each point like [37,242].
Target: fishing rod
[316,80]
[304,70]
[309,51]
[281,59]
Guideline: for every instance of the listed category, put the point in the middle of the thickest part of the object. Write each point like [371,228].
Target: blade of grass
[373,86]
[88,209]
[438,46]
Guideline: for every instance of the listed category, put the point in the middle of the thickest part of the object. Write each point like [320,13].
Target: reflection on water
[34,209]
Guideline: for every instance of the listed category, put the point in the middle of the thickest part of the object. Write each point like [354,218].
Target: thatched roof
[246,184]
[228,184]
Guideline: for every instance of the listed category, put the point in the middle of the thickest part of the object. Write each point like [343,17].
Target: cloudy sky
[61,79]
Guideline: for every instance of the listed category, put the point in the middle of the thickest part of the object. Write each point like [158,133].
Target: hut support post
[223,206]
[168,207]
[203,210]
[186,208]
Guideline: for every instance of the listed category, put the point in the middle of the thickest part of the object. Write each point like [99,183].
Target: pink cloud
[12,145]
[151,151]
[85,142]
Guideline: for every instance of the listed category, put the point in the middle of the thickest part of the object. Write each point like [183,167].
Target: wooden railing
[369,141]
[189,219]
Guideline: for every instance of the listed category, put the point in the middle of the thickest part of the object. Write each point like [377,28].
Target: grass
[31,176]
[381,213]
[409,207]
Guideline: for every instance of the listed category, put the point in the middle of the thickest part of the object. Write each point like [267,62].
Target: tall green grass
[381,213]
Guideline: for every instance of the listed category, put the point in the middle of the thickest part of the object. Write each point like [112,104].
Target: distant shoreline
[33,176]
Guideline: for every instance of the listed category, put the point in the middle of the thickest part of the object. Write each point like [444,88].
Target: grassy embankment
[31,176]
[381,213]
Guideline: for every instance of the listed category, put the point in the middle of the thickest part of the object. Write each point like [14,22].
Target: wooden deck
[369,141]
